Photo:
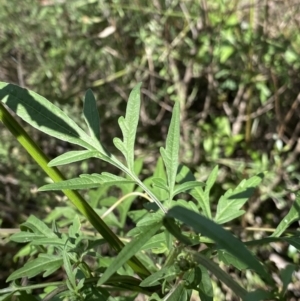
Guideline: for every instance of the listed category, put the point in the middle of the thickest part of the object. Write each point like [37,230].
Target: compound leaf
[86,181]
[128,127]
[171,152]
[44,263]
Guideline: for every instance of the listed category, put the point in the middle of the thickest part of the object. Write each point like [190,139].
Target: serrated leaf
[44,263]
[202,196]
[292,216]
[186,186]
[73,156]
[128,126]
[130,250]
[223,238]
[68,268]
[170,153]
[91,114]
[43,115]
[230,203]
[38,227]
[86,181]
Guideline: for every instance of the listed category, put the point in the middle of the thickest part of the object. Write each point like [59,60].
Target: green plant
[177,220]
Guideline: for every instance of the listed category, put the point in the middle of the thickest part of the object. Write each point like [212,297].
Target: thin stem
[37,154]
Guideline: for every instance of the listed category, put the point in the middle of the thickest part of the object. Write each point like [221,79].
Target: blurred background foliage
[232,64]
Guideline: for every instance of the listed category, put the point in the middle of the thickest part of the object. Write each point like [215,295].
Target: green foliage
[158,230]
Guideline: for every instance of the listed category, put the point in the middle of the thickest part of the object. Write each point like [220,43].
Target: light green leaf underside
[86,181]
[292,216]
[73,156]
[44,263]
[43,115]
[171,152]
[202,196]
[229,205]
[186,186]
[130,250]
[128,127]
[38,227]
[223,238]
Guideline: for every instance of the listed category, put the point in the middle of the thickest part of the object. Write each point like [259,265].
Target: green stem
[37,154]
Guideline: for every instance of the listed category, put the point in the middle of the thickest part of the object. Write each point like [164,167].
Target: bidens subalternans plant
[139,266]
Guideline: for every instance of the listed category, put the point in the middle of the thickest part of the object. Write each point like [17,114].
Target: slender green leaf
[186,186]
[68,268]
[228,259]
[128,126]
[49,241]
[175,230]
[45,262]
[223,238]
[292,216]
[205,288]
[259,295]
[219,273]
[202,196]
[130,250]
[171,152]
[229,205]
[25,236]
[91,114]
[6,297]
[154,279]
[177,293]
[73,156]
[155,242]
[86,181]
[43,115]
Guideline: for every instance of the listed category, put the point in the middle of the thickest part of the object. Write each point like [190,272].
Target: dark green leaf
[43,115]
[91,114]
[73,156]
[223,238]
[171,152]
